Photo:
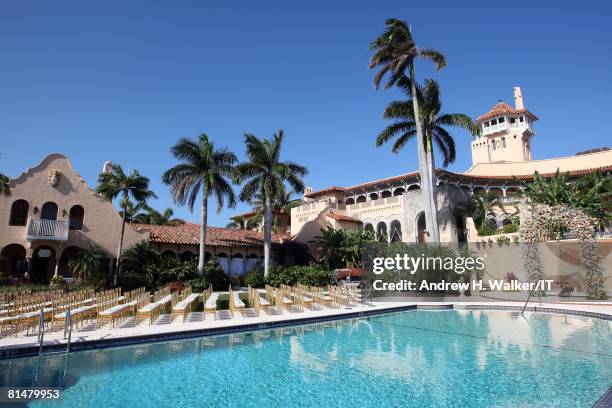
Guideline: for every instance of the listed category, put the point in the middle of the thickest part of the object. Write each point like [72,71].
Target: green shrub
[508,229]
[312,275]
[56,280]
[215,275]
[254,278]
[486,229]
[197,284]
[131,281]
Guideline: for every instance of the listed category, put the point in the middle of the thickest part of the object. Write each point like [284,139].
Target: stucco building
[392,207]
[52,214]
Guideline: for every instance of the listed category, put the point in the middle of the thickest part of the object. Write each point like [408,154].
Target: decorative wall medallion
[54,177]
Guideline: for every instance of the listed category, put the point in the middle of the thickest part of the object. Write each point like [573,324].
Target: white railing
[47,229]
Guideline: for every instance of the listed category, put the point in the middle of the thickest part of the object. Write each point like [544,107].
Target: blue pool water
[411,359]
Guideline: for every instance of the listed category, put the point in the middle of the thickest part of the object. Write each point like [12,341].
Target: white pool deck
[196,321]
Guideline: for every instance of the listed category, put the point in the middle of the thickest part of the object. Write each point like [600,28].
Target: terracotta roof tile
[189,234]
[342,217]
[502,108]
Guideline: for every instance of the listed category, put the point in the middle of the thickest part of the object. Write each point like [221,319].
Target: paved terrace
[131,331]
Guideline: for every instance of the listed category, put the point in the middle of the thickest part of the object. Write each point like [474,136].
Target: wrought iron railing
[47,229]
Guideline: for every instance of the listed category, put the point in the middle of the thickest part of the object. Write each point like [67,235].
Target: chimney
[518,98]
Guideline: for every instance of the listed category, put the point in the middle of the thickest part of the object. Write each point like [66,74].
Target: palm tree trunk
[267,234]
[431,224]
[120,249]
[431,164]
[204,221]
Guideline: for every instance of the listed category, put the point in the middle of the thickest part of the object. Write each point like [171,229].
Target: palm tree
[433,122]
[138,255]
[163,218]
[133,211]
[5,188]
[265,175]
[395,53]
[481,205]
[205,169]
[87,263]
[330,247]
[241,222]
[115,183]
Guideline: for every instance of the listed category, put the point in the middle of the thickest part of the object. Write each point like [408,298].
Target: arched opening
[168,254]
[207,256]
[479,190]
[77,213]
[252,262]
[49,211]
[361,199]
[238,264]
[506,221]
[15,256]
[69,253]
[369,227]
[414,187]
[491,223]
[399,191]
[349,201]
[381,232]
[19,213]
[421,229]
[187,256]
[43,264]
[373,196]
[224,262]
[385,194]
[396,231]
[497,191]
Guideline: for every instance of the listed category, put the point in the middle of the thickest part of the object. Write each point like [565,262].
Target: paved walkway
[196,321]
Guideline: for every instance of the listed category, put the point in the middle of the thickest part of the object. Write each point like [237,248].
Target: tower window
[501,120]
[494,122]
[503,140]
[522,119]
[493,145]
[512,120]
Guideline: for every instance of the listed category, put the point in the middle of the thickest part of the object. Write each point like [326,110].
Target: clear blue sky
[123,80]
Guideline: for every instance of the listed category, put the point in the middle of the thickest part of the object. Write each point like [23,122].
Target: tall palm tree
[265,175]
[395,52]
[202,168]
[115,183]
[5,188]
[432,121]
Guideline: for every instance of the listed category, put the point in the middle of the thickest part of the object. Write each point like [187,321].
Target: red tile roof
[502,108]
[189,234]
[450,175]
[341,217]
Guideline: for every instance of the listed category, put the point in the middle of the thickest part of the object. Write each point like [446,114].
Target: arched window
[373,196]
[49,211]
[381,232]
[386,194]
[361,199]
[369,227]
[349,201]
[76,217]
[399,191]
[414,187]
[506,221]
[19,213]
[168,254]
[492,223]
[186,256]
[396,231]
[421,229]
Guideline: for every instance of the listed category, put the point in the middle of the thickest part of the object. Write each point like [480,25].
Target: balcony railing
[47,229]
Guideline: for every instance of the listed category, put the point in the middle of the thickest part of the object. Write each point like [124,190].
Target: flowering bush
[538,226]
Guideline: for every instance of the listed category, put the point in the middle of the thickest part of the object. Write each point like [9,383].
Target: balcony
[47,230]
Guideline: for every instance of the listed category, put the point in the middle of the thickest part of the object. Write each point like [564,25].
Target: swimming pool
[417,358]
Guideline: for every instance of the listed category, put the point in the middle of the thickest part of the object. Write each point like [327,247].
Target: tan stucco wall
[571,163]
[101,223]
